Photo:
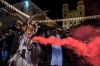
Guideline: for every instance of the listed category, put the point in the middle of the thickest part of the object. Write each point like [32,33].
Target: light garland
[13,8]
[55,20]
[72,19]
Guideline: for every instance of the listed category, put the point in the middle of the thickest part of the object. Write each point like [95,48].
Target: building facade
[27,7]
[66,13]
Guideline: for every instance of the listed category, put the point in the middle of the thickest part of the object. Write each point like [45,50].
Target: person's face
[48,33]
[28,33]
[43,35]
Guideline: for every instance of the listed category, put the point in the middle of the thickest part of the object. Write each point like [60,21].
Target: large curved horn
[20,22]
[14,8]
[17,27]
[46,11]
[31,18]
[33,22]
[13,14]
[5,10]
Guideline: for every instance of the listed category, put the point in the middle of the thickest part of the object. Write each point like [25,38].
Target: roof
[24,3]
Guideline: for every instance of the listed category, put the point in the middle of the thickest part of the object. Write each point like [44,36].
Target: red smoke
[89,51]
[84,33]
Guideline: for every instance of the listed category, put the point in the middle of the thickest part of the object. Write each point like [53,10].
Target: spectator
[0,49]
[48,47]
[4,49]
[57,55]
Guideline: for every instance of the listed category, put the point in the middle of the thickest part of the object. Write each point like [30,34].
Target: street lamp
[26,3]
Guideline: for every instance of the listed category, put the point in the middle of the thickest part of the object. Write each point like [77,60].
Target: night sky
[55,6]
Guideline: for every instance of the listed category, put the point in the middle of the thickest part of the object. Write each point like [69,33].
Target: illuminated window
[0,24]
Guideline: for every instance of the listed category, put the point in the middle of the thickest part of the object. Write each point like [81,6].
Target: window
[7,13]
[80,7]
[80,2]
[65,23]
[13,22]
[34,11]
[70,16]
[0,23]
[6,23]
[74,22]
[0,13]
[70,22]
[74,15]
[22,9]
[80,13]
[64,15]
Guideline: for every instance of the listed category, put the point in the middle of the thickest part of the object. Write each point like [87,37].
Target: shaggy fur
[24,54]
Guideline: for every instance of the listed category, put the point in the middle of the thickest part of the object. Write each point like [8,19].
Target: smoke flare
[89,51]
[85,32]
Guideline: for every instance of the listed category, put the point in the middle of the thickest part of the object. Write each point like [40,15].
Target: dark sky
[54,6]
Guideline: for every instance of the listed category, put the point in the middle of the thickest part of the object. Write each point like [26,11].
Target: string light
[55,20]
[15,9]
[72,19]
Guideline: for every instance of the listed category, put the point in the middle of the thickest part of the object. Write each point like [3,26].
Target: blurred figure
[48,47]
[57,56]
[10,39]
[0,49]
[4,49]
[43,51]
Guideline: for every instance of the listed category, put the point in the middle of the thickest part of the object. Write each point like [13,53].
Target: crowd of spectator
[6,38]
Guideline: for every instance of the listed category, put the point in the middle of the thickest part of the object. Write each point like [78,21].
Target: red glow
[85,32]
[89,51]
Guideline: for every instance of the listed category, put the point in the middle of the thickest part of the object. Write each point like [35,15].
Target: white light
[26,3]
